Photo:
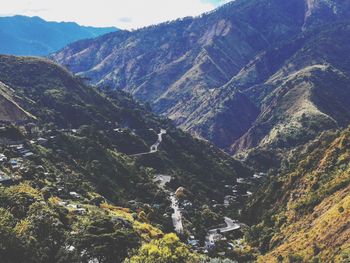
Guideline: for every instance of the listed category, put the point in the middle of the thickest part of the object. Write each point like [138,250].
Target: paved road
[154,147]
[176,216]
[231,225]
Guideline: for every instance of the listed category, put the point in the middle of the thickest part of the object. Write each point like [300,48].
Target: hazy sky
[125,14]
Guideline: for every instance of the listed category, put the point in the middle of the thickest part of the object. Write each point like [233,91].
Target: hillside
[33,36]
[304,208]
[222,75]
[79,167]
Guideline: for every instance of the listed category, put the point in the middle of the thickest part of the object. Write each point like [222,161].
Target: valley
[221,138]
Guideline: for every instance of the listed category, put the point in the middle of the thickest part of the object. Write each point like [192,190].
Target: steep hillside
[58,99]
[33,36]
[214,74]
[173,63]
[81,166]
[305,207]
[10,110]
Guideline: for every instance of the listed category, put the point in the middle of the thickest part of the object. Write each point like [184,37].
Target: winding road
[154,147]
[231,225]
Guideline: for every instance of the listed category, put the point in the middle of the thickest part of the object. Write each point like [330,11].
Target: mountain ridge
[178,67]
[33,36]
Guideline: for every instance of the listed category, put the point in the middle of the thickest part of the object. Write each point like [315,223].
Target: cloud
[127,14]
[125,19]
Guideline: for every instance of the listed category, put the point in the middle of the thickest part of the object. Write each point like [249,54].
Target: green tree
[169,249]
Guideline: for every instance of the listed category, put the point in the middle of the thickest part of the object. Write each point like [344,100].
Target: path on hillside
[154,147]
[176,215]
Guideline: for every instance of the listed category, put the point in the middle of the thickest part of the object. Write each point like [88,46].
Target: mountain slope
[304,208]
[33,36]
[10,110]
[82,181]
[109,127]
[175,62]
[244,47]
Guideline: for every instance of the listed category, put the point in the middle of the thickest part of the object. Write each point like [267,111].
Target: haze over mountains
[33,36]
[224,75]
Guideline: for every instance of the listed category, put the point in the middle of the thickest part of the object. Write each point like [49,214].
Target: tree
[168,249]
[104,240]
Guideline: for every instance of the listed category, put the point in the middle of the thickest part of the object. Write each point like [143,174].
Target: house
[63,203]
[19,147]
[240,180]
[5,180]
[80,211]
[74,195]
[3,158]
[193,242]
[41,141]
[15,164]
[118,130]
[186,204]
[72,206]
[28,154]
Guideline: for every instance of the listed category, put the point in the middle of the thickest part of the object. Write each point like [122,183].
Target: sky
[124,14]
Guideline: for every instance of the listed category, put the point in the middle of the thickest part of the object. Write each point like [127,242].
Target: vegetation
[169,249]
[305,218]
[81,195]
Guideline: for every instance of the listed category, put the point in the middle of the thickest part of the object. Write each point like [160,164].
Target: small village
[16,156]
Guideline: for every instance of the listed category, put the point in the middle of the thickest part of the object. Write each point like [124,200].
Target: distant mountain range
[33,36]
[268,81]
[250,74]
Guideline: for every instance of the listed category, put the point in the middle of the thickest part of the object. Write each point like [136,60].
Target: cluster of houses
[21,150]
[234,194]
[19,153]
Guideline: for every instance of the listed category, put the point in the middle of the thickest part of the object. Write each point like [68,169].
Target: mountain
[79,182]
[225,76]
[303,209]
[33,36]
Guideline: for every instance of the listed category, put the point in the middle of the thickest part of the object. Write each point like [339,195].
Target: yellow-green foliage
[27,189]
[117,211]
[22,227]
[145,230]
[323,234]
[169,249]
[315,219]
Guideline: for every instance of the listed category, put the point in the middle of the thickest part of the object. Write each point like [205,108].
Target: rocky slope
[10,110]
[33,36]
[220,75]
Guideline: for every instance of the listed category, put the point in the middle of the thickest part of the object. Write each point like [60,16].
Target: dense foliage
[304,209]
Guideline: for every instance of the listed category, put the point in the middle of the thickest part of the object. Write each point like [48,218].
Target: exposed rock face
[215,75]
[10,111]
